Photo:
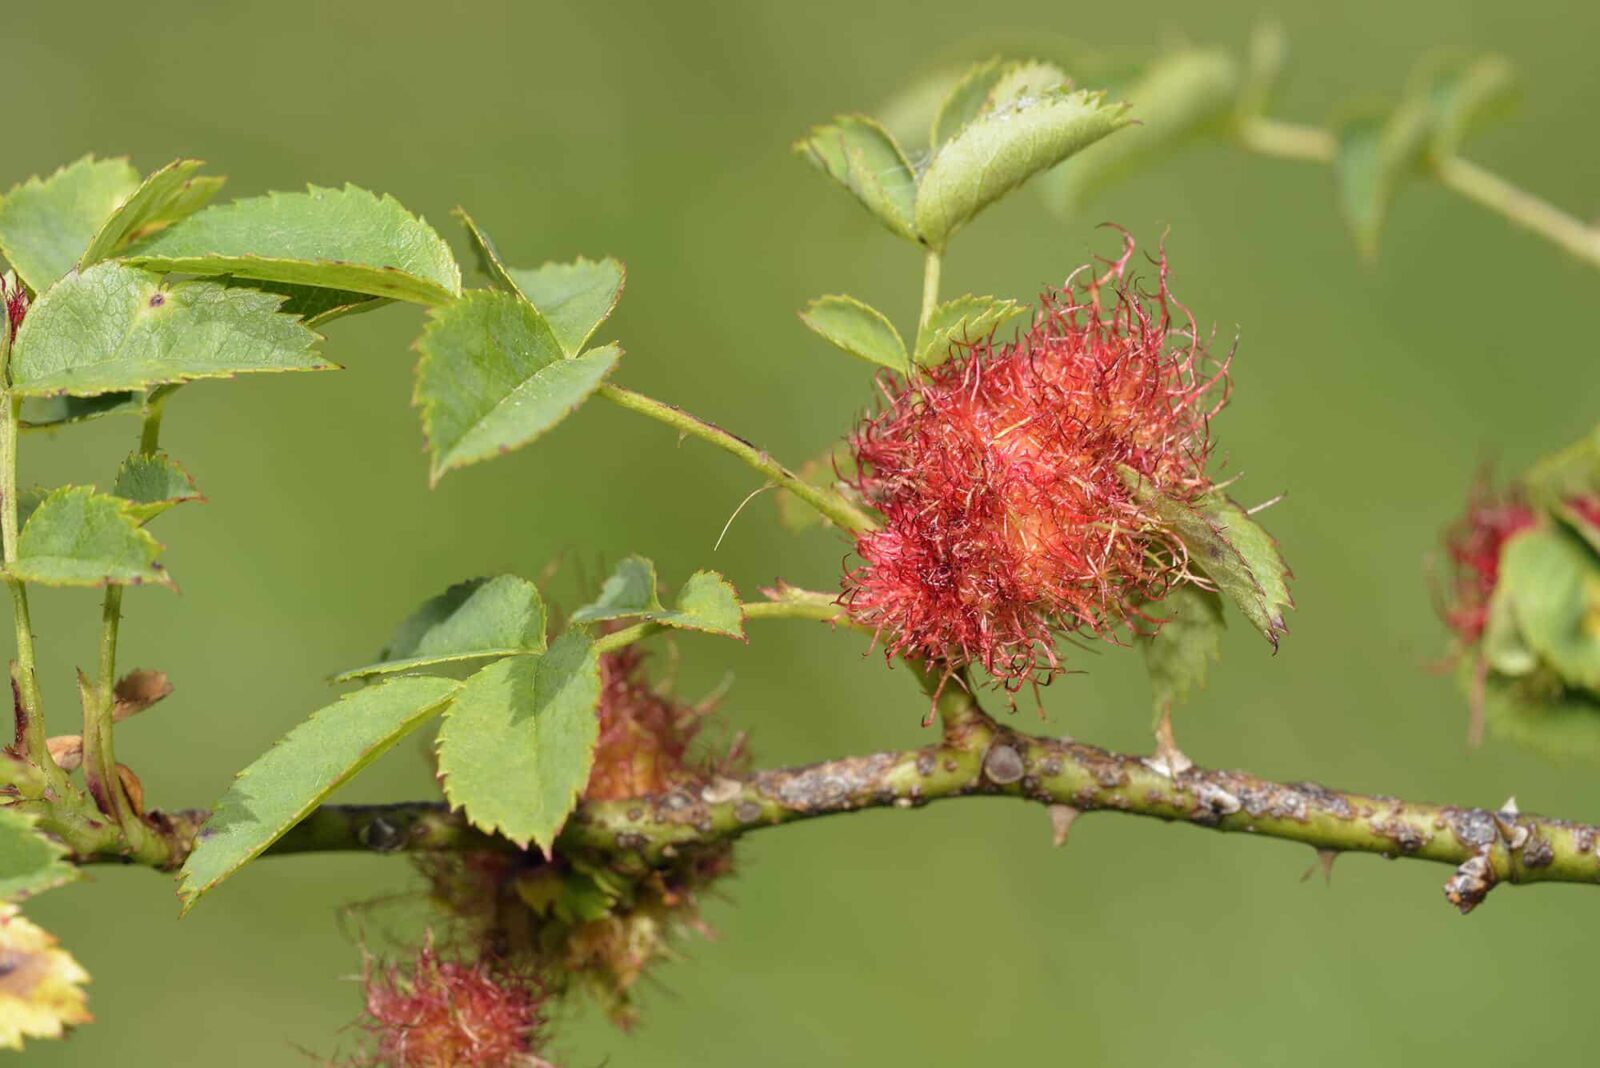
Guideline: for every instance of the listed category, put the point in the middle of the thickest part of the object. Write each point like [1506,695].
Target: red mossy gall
[645,735]
[571,921]
[1002,479]
[440,1013]
[1474,544]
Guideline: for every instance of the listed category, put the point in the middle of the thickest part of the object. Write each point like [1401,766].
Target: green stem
[830,504]
[30,710]
[795,604]
[1287,140]
[1522,208]
[99,704]
[932,263]
[962,719]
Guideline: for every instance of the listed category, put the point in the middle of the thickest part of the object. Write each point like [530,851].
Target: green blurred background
[659,133]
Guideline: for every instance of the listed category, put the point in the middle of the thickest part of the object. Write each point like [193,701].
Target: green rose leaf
[1230,549]
[30,863]
[1265,58]
[707,601]
[1552,582]
[28,501]
[174,192]
[1462,93]
[630,590]
[346,239]
[1377,153]
[309,304]
[1567,484]
[1182,651]
[1537,713]
[1173,101]
[114,328]
[500,616]
[859,154]
[493,377]
[962,321]
[574,298]
[50,413]
[1503,646]
[152,484]
[46,223]
[518,742]
[77,537]
[297,774]
[1025,79]
[967,99]
[857,329]
[1003,148]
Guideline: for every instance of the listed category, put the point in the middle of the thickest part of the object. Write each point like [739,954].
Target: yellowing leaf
[41,992]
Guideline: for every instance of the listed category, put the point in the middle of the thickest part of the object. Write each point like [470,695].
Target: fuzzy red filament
[451,1014]
[1007,522]
[1474,544]
[646,736]
[16,305]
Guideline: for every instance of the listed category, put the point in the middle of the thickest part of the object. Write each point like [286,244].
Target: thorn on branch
[1325,859]
[1169,759]
[1061,820]
[133,788]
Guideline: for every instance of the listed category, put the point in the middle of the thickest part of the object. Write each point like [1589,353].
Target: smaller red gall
[1474,545]
[439,1013]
